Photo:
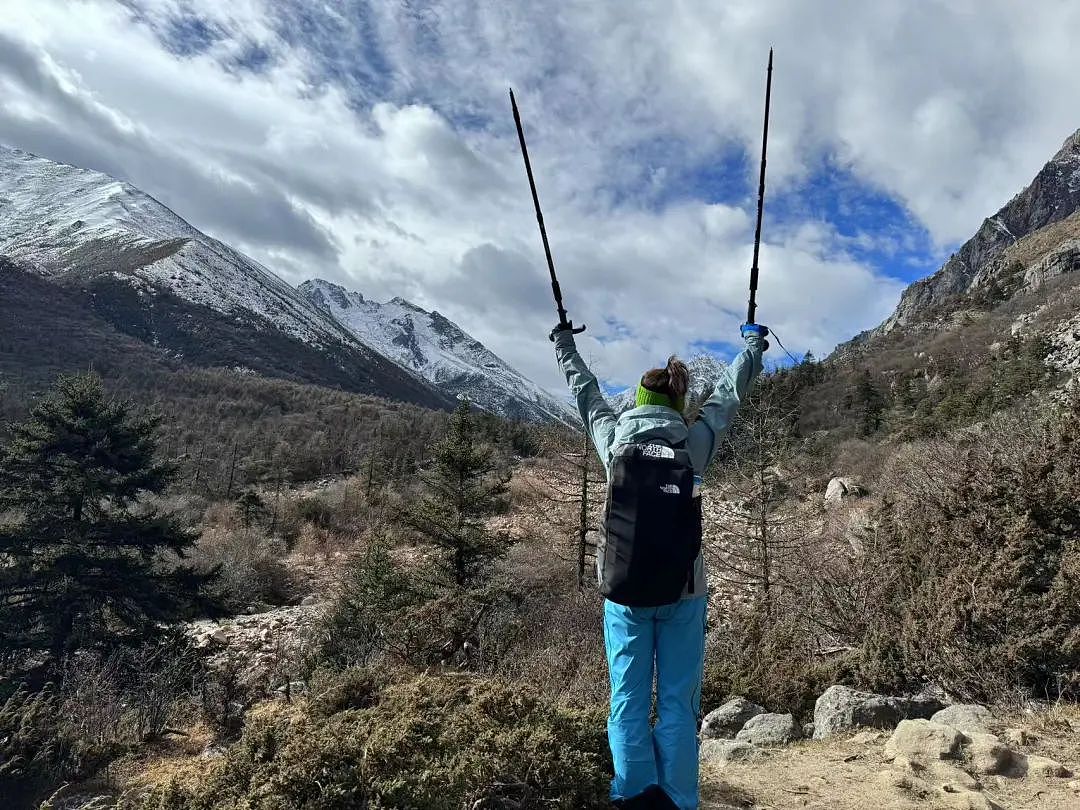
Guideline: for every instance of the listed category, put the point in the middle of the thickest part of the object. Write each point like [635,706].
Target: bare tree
[761,518]
[567,499]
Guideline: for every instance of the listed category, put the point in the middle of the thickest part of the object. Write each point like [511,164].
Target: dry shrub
[979,544]
[250,564]
[435,743]
[99,709]
[774,660]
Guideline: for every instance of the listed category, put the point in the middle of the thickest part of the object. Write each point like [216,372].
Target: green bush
[446,743]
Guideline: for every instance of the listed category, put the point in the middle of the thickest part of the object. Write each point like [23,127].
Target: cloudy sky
[371,143]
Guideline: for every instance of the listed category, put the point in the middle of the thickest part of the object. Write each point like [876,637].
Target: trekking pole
[556,291]
[751,312]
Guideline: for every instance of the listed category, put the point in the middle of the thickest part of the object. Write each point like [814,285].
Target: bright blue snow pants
[670,642]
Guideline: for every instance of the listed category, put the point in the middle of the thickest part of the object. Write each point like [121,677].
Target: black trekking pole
[563,321]
[751,312]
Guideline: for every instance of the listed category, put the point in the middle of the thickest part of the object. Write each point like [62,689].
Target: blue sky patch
[871,227]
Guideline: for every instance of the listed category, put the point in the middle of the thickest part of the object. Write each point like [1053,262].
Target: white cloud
[374,145]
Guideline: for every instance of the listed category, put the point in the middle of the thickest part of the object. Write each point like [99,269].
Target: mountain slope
[997,326]
[156,277]
[437,350]
[987,259]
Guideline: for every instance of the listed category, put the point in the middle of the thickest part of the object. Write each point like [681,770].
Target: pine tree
[869,404]
[465,487]
[81,552]
[250,508]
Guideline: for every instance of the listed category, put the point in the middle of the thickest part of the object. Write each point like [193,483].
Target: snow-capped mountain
[160,279]
[705,370]
[439,351]
[72,222]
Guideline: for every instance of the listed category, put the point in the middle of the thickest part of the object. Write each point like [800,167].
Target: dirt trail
[852,774]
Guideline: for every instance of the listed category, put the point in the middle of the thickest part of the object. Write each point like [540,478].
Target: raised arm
[730,392]
[596,414]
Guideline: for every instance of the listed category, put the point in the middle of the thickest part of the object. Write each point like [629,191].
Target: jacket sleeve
[720,408]
[596,414]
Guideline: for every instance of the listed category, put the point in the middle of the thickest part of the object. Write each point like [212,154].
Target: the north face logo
[670,489]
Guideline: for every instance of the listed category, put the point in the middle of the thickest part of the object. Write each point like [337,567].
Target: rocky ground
[963,757]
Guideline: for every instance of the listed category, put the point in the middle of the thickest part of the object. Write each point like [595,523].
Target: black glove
[561,327]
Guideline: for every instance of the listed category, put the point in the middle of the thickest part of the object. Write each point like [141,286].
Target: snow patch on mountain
[439,351]
[705,371]
[69,223]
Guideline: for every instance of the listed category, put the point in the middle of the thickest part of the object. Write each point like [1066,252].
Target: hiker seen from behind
[649,563]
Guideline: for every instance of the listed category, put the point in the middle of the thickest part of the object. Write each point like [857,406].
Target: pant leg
[680,661]
[629,639]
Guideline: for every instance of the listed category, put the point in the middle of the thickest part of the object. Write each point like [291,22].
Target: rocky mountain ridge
[1033,238]
[1051,197]
[437,350]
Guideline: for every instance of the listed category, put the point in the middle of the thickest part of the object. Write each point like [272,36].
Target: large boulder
[969,718]
[842,708]
[728,720]
[923,741]
[770,730]
[841,489]
[721,752]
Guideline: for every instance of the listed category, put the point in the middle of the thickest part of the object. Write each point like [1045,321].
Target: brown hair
[673,380]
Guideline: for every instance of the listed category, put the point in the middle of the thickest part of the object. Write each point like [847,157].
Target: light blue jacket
[638,425]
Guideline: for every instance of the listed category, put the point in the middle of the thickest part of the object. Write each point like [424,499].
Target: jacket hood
[650,422]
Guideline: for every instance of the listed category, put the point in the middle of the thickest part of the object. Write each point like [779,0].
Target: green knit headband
[646,396]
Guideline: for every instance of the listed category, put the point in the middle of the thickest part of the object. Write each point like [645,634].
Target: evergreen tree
[465,487]
[869,404]
[250,508]
[365,617]
[80,549]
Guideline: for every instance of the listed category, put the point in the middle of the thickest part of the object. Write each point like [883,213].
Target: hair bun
[678,377]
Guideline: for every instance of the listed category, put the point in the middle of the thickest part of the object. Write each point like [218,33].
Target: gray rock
[840,489]
[969,718]
[842,708]
[721,752]
[923,741]
[728,720]
[988,754]
[311,599]
[808,730]
[1042,766]
[919,707]
[770,730]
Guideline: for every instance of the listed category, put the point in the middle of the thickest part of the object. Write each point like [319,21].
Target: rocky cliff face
[987,258]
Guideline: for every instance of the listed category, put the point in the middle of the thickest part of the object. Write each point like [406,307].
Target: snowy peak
[705,371]
[156,277]
[438,350]
[69,223]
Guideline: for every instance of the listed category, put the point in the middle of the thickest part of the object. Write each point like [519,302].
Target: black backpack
[652,526]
